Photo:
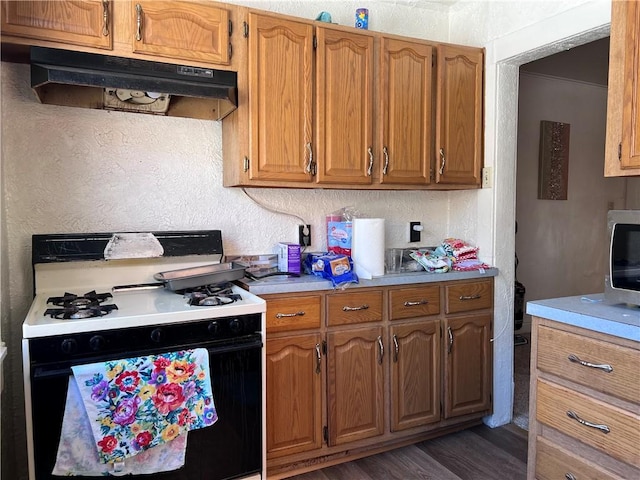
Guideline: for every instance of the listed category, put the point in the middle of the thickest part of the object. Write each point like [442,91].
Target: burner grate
[210,295]
[73,306]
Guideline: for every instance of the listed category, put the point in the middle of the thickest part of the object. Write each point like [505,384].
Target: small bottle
[362,18]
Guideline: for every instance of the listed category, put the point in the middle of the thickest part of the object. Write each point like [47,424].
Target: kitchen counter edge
[592,312]
[311,283]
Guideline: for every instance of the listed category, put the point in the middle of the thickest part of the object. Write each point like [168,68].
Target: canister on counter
[362,18]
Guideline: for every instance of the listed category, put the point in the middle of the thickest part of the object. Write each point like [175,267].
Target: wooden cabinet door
[181,30]
[355,384]
[281,99]
[294,394]
[406,113]
[459,114]
[630,149]
[467,364]
[344,106]
[415,374]
[83,22]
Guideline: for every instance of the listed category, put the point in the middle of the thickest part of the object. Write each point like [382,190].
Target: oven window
[231,448]
[625,256]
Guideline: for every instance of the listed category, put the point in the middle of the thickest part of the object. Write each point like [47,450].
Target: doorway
[560,243]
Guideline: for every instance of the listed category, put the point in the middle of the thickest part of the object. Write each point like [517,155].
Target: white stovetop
[135,307]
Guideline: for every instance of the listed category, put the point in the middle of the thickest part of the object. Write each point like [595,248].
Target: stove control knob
[157,335]
[214,328]
[69,345]
[97,342]
[235,325]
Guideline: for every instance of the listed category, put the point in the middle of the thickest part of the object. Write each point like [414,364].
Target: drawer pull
[285,315]
[570,476]
[413,304]
[396,349]
[602,428]
[469,297]
[355,309]
[607,368]
[318,358]
[381,347]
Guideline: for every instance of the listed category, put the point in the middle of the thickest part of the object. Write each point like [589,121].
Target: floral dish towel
[77,454]
[137,403]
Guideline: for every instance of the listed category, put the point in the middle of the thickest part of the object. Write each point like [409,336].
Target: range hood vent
[78,79]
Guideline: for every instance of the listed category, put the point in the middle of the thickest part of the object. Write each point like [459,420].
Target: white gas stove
[115,278]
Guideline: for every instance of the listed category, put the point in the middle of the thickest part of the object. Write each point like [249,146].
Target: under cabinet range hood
[78,79]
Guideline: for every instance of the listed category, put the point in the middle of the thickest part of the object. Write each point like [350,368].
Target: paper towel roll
[367,249]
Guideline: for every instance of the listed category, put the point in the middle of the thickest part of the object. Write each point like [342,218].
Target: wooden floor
[479,453]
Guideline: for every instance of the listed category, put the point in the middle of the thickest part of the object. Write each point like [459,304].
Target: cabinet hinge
[620,151]
[245,29]
[324,347]
[230,27]
[325,434]
[245,164]
[315,42]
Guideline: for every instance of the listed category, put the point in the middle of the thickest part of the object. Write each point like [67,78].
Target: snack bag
[339,235]
[334,267]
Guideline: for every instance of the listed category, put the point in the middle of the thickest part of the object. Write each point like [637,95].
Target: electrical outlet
[487,177]
[304,235]
[414,231]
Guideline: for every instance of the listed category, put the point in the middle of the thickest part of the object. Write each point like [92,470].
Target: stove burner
[76,312]
[69,299]
[210,295]
[75,307]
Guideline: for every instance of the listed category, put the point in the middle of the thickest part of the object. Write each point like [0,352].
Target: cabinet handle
[284,315]
[574,358]
[396,349]
[469,297]
[385,152]
[450,333]
[138,22]
[105,18]
[381,347]
[570,476]
[602,428]
[355,309]
[370,169]
[309,168]
[413,304]
[318,358]
[442,161]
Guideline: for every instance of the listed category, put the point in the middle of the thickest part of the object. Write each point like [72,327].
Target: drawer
[555,347]
[463,297]
[552,407]
[414,302]
[554,462]
[293,313]
[354,307]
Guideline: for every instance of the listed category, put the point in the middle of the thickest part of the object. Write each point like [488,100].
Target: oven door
[231,448]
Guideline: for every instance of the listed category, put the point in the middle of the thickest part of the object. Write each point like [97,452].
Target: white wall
[561,243]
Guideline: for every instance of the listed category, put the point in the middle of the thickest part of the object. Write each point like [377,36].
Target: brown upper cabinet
[172,31]
[622,150]
[459,114]
[88,23]
[337,107]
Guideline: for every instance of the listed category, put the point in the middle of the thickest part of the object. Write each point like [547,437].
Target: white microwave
[622,279]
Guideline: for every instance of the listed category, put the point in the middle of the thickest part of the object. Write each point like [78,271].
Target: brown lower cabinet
[369,369]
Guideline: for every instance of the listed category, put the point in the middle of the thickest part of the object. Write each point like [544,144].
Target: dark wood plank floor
[479,453]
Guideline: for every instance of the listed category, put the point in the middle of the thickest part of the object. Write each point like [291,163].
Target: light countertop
[592,312]
[309,283]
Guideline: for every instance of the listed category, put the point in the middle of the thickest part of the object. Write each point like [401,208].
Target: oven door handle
[40,372]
